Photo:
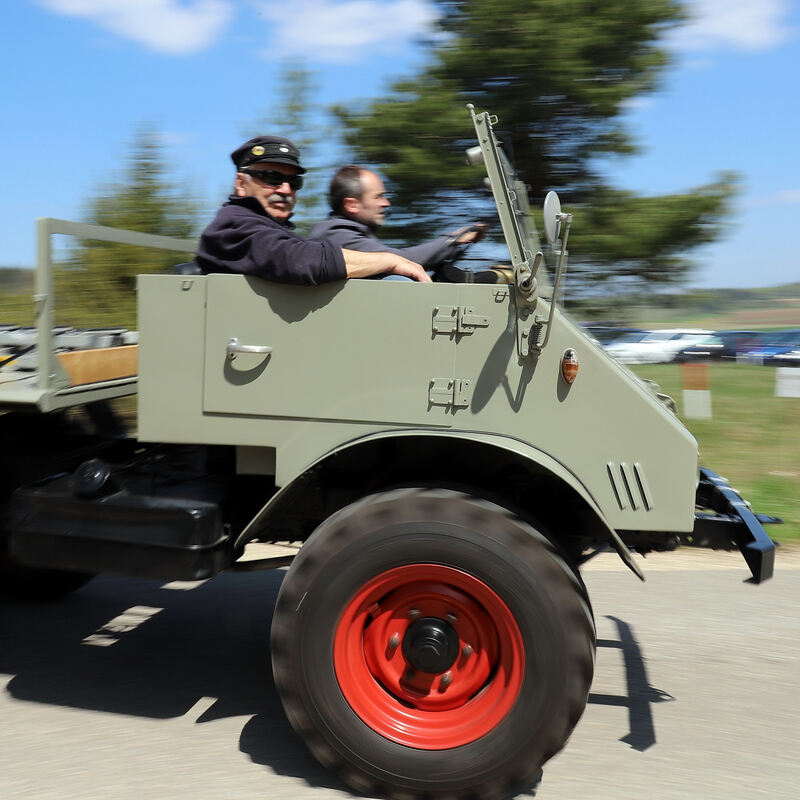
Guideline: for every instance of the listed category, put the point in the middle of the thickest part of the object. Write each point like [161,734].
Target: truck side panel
[410,356]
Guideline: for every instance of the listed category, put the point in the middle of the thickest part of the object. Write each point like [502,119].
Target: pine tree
[559,75]
[96,283]
[298,122]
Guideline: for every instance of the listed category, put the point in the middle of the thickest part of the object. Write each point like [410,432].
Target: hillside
[772,307]
[715,309]
[16,280]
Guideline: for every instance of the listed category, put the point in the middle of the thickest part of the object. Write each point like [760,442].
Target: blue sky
[80,76]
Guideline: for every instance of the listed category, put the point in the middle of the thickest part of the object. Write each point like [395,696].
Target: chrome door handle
[234,347]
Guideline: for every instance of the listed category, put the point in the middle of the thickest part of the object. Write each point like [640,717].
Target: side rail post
[43,297]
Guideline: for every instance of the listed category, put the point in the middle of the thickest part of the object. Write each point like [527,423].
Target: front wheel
[429,644]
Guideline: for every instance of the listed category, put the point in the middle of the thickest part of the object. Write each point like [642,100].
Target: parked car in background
[621,347]
[655,347]
[605,334]
[780,348]
[721,345]
[791,358]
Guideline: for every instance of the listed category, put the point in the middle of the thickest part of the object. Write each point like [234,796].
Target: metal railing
[43,297]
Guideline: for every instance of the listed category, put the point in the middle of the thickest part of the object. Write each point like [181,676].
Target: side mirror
[552,217]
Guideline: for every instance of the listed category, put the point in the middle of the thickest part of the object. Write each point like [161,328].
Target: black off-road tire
[365,575]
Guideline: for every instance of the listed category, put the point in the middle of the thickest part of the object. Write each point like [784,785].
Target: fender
[507,443]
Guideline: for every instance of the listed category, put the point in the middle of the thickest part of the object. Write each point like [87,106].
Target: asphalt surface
[134,690]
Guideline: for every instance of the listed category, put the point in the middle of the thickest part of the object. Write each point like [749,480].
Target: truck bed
[88,365]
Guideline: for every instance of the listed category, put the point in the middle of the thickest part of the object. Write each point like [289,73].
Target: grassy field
[753,438]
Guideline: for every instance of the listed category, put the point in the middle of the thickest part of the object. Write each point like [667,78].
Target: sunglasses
[273,178]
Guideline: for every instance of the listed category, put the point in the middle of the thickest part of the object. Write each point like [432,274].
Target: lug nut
[446,679]
[466,650]
[451,617]
[414,613]
[394,641]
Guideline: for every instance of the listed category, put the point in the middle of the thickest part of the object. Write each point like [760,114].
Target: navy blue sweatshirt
[243,238]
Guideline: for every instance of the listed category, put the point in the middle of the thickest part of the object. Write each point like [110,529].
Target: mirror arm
[566,220]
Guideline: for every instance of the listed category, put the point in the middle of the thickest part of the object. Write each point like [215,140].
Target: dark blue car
[721,345]
[781,348]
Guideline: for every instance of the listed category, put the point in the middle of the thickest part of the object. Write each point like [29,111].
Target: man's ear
[239,188]
[351,205]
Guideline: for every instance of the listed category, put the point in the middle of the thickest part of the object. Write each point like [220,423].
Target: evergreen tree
[95,285]
[558,74]
[297,122]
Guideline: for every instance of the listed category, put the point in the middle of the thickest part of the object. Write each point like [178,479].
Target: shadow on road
[641,695]
[140,648]
[128,646]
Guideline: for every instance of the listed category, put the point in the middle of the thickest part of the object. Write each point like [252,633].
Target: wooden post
[696,391]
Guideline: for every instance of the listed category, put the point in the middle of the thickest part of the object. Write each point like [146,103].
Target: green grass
[752,439]
[16,309]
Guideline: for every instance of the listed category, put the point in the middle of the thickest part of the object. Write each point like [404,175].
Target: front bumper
[724,520]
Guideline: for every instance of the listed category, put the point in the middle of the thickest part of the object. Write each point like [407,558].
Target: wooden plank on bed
[103,364]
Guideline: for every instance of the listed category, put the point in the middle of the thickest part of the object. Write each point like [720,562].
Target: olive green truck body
[267,412]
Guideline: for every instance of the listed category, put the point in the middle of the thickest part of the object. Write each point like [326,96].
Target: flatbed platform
[87,365]
[49,366]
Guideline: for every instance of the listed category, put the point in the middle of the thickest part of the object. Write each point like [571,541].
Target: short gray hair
[345,183]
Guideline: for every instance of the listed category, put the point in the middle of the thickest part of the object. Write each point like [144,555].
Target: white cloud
[779,198]
[327,30]
[789,196]
[733,24]
[166,26]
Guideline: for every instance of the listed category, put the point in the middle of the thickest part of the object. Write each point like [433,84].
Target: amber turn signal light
[569,365]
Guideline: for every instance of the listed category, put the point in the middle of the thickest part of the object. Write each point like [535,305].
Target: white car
[654,347]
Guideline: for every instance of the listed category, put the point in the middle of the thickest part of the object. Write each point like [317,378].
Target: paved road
[132,690]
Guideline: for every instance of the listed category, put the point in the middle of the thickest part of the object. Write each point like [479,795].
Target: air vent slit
[617,493]
[644,489]
[628,481]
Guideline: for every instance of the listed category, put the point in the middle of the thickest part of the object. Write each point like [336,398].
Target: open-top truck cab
[435,462]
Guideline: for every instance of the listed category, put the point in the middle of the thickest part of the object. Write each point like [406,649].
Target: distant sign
[697,404]
[787,382]
[696,391]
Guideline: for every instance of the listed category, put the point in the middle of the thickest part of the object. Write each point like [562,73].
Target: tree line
[558,74]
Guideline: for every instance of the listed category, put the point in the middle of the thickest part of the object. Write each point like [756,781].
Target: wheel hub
[429,656]
[431,645]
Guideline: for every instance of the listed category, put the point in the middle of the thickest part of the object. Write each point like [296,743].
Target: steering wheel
[449,255]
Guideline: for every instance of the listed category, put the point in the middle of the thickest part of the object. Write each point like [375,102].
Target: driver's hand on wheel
[470,234]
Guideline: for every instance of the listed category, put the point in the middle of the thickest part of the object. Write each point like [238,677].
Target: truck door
[358,350]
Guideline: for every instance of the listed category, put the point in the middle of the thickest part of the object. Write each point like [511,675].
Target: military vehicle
[433,462]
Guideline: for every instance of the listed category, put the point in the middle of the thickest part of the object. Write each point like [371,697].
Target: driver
[358,208]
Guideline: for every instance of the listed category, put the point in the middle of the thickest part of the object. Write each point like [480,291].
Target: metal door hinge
[457,319]
[456,392]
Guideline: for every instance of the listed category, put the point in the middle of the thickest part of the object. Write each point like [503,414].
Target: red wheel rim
[421,709]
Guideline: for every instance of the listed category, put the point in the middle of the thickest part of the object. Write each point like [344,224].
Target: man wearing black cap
[252,232]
